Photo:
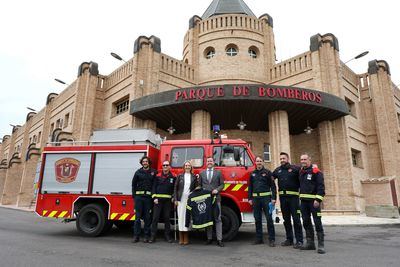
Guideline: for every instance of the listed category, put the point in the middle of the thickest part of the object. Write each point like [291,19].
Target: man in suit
[213,181]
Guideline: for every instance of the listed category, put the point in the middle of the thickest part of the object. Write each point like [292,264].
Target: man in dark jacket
[262,192]
[289,185]
[312,192]
[163,189]
[213,181]
[142,185]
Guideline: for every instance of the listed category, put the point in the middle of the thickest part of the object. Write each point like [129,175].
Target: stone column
[336,165]
[385,116]
[279,136]
[150,124]
[26,195]
[201,125]
[13,176]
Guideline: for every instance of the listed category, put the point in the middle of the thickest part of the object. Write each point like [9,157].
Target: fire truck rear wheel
[230,223]
[91,220]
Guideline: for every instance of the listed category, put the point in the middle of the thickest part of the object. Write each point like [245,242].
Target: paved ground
[28,240]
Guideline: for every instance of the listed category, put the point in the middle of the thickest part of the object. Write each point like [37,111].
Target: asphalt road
[28,240]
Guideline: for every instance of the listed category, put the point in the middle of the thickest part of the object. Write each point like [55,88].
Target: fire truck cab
[91,183]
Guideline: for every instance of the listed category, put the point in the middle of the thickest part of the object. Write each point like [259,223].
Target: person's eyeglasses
[165,165]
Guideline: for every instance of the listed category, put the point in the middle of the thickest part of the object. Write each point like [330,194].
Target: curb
[17,208]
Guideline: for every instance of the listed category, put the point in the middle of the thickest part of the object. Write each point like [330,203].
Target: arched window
[209,52]
[232,50]
[253,52]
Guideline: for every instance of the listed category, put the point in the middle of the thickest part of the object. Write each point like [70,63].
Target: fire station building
[228,76]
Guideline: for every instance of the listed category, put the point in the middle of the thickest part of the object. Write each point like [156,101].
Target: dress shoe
[287,243]
[220,244]
[208,242]
[298,245]
[135,239]
[271,243]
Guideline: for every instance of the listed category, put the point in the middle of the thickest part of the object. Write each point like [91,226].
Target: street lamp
[308,129]
[241,124]
[171,129]
[358,56]
[116,56]
[60,81]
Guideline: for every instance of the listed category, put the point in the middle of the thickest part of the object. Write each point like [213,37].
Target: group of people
[155,193]
[301,191]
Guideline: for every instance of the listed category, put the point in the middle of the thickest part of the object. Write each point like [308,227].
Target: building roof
[218,7]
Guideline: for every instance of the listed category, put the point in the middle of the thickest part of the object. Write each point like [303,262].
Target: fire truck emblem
[67,170]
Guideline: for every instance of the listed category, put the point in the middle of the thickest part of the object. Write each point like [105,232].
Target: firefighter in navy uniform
[312,192]
[262,192]
[288,183]
[142,185]
[163,189]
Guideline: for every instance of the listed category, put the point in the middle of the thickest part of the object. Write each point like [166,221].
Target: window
[228,159]
[51,128]
[267,152]
[253,52]
[231,50]
[39,137]
[356,158]
[66,120]
[181,154]
[121,106]
[34,139]
[352,107]
[59,123]
[209,52]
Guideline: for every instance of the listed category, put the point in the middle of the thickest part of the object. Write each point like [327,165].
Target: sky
[42,40]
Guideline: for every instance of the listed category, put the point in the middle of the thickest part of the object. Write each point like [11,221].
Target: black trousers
[260,206]
[163,207]
[143,205]
[290,207]
[308,210]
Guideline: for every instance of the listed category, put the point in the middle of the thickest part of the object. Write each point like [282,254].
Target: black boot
[309,245]
[321,248]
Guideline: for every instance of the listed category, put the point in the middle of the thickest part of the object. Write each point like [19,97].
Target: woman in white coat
[184,185]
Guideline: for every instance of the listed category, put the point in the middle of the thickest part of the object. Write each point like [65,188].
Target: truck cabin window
[181,154]
[227,158]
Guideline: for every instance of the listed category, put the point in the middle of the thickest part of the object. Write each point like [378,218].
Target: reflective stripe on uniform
[262,194]
[319,214]
[307,196]
[298,211]
[188,207]
[143,193]
[161,196]
[202,225]
[200,197]
[319,197]
[294,193]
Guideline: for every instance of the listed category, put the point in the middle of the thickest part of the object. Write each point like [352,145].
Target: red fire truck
[91,183]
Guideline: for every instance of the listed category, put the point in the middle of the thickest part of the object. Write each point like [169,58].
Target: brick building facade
[230,47]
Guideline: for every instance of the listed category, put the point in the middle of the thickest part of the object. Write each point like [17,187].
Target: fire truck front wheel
[230,223]
[91,220]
